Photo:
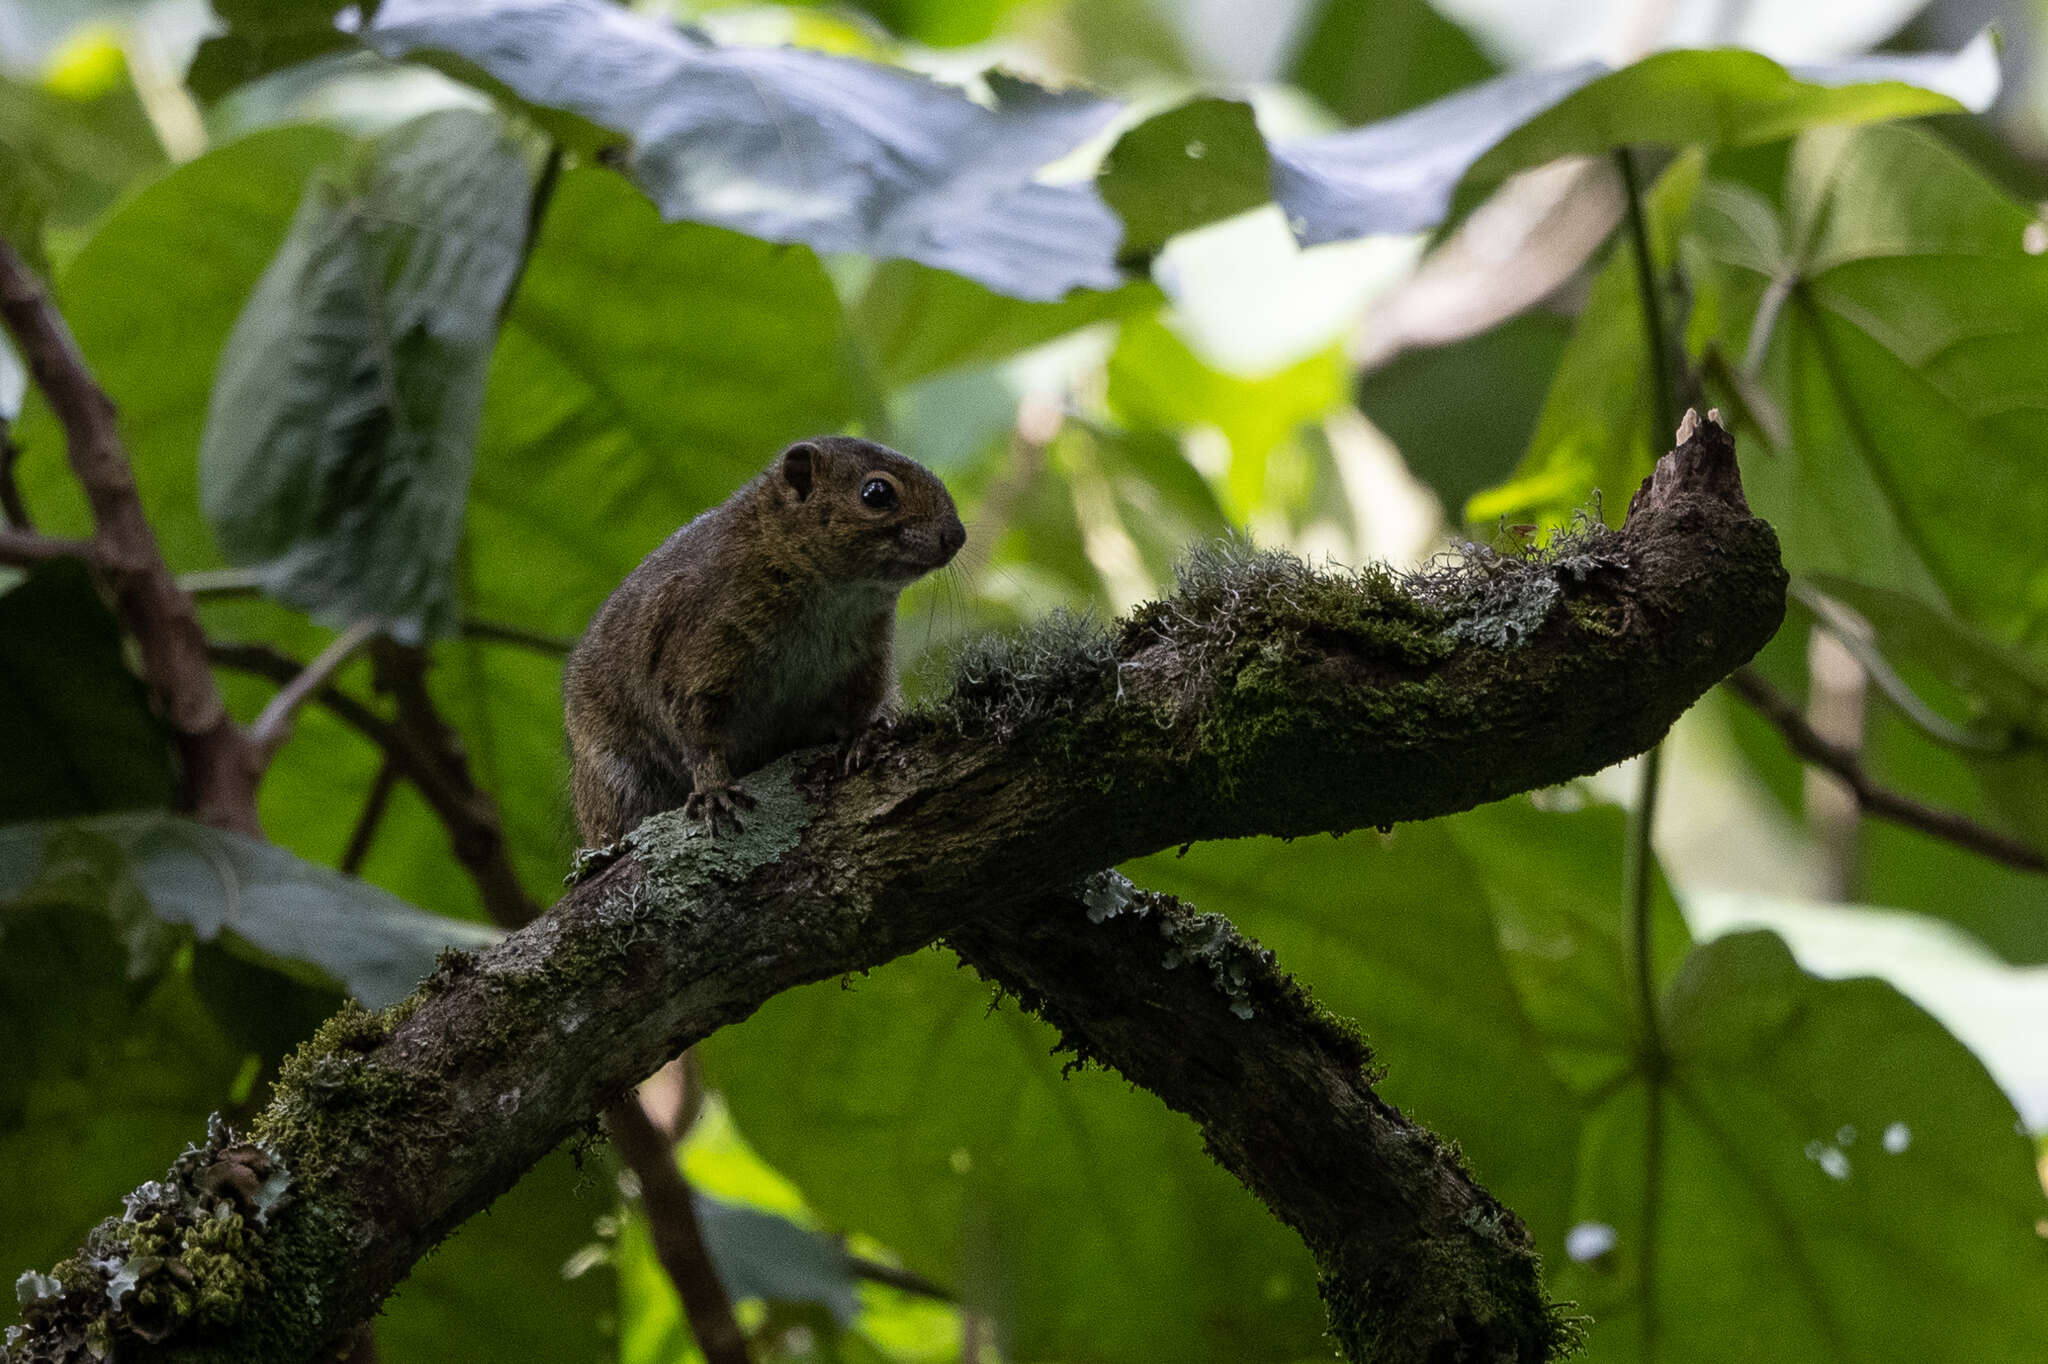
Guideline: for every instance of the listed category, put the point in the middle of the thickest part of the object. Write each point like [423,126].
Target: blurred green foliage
[1819,1170]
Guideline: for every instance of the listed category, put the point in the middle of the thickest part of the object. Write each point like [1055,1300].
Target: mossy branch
[1261,697]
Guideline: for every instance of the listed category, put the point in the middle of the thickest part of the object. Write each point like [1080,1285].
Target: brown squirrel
[763,626]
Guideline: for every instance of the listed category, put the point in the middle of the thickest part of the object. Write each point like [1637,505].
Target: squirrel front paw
[719,808]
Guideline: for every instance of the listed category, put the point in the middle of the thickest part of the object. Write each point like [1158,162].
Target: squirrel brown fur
[763,626]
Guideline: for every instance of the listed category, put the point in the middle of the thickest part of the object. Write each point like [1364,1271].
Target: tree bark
[1260,698]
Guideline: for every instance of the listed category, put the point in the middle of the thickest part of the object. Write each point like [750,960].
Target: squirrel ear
[796,467]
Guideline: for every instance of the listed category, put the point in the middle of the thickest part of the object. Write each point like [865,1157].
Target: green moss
[331,1088]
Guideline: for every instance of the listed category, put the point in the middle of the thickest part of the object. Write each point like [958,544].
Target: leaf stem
[1663,389]
[1639,855]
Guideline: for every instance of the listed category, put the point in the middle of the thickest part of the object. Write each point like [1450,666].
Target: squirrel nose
[952,537]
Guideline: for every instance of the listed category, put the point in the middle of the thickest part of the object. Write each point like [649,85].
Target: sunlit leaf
[799,146]
[339,439]
[1399,175]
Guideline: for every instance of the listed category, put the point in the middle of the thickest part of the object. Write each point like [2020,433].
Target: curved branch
[1260,697]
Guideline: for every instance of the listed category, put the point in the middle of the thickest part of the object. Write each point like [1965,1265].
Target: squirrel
[763,626]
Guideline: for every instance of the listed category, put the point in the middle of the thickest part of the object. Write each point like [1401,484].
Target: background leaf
[339,438]
[213,882]
[797,146]
[75,723]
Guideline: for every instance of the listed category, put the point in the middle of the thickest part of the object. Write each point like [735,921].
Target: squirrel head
[869,513]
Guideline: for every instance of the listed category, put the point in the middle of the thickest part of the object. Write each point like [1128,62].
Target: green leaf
[24,202]
[914,321]
[338,443]
[1599,434]
[1192,165]
[798,146]
[157,870]
[151,298]
[1905,352]
[75,723]
[1157,382]
[87,148]
[1488,959]
[501,1288]
[112,1060]
[1399,175]
[1495,384]
[1082,1216]
[1830,1172]
[939,23]
[1370,59]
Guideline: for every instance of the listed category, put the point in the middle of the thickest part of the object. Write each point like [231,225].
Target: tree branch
[25,548]
[1418,1261]
[1875,799]
[678,1237]
[1261,697]
[219,767]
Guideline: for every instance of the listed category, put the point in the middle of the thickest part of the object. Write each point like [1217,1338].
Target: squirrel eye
[877,494]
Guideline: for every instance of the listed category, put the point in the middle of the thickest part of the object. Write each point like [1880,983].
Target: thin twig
[895,1276]
[494,632]
[1664,392]
[215,584]
[219,768]
[1640,856]
[367,823]
[1875,800]
[469,821]
[274,725]
[474,825]
[678,1235]
[25,549]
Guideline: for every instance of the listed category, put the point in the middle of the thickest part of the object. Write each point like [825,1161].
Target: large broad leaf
[508,1285]
[75,723]
[1399,175]
[1906,351]
[798,146]
[1825,1174]
[1830,1171]
[151,298]
[337,452]
[209,882]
